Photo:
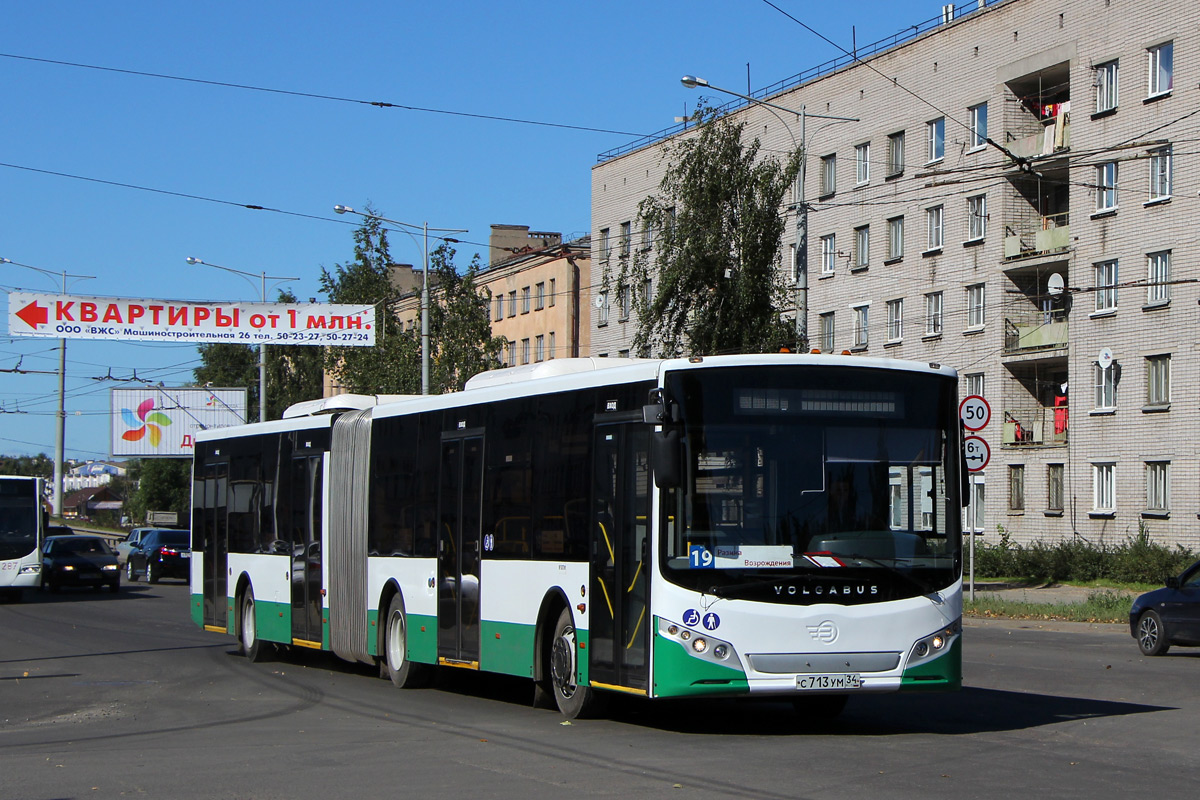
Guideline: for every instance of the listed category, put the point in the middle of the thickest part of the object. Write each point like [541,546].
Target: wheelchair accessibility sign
[693,619]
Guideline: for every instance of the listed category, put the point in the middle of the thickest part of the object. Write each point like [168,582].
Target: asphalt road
[114,696]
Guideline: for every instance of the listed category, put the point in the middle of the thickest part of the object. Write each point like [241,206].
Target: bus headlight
[32,569]
[700,644]
[935,643]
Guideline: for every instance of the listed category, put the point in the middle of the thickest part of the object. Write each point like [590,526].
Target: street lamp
[425,229]
[692,82]
[262,348]
[61,428]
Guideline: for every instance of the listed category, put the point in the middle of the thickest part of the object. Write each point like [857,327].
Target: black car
[79,561]
[1168,616]
[160,554]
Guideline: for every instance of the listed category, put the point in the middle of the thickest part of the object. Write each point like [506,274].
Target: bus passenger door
[213,541]
[459,529]
[305,509]
[619,623]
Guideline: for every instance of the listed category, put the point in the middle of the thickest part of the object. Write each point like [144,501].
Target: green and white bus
[760,525]
[22,523]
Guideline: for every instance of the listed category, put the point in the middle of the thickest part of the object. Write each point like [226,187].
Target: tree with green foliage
[39,466]
[294,372]
[718,227]
[393,364]
[460,333]
[163,484]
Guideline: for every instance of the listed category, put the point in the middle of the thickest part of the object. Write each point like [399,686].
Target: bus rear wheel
[574,701]
[406,674]
[252,647]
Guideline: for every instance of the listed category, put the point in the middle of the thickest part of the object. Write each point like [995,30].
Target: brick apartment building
[1015,198]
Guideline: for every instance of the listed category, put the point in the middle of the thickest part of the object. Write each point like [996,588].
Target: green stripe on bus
[198,609]
[507,647]
[677,673]
[274,621]
[942,674]
[422,638]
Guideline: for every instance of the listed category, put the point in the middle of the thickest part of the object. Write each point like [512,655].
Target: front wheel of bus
[573,700]
[252,647]
[404,673]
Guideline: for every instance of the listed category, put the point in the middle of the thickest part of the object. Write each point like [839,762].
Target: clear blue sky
[613,66]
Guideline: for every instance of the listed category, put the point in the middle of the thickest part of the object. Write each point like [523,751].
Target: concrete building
[1014,199]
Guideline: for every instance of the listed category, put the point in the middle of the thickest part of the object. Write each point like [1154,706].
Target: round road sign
[976,453]
[974,412]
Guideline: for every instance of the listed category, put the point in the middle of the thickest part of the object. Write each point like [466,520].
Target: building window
[1162,68]
[895,238]
[605,244]
[933,314]
[976,217]
[862,163]
[895,312]
[539,297]
[1016,487]
[524,351]
[1106,386]
[979,132]
[647,235]
[1054,487]
[862,246]
[1158,277]
[827,332]
[1106,186]
[861,320]
[499,306]
[1106,86]
[973,384]
[512,303]
[552,290]
[936,138]
[1158,487]
[525,296]
[1104,488]
[550,353]
[828,253]
[935,227]
[539,348]
[602,308]
[1161,173]
[828,175]
[977,504]
[1106,285]
[626,233]
[896,154]
[1158,380]
[976,306]
[512,354]
[623,303]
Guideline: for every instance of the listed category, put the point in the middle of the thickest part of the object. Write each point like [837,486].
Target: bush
[1136,560]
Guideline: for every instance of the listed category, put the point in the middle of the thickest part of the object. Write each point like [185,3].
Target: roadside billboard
[62,316]
[162,421]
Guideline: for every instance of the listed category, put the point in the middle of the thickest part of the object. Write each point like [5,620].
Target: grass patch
[1101,606]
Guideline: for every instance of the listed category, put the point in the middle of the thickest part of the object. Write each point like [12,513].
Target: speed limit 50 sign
[974,412]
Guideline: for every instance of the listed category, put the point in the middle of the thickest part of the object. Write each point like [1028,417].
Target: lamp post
[262,348]
[60,429]
[801,265]
[425,229]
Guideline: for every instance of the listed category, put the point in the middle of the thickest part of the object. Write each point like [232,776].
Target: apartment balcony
[1035,427]
[1040,236]
[1054,138]
[1035,331]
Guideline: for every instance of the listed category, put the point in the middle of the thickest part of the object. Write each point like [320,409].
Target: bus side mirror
[665,458]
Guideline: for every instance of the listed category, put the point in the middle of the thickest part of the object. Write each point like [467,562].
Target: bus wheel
[574,701]
[252,647]
[404,673]
[820,707]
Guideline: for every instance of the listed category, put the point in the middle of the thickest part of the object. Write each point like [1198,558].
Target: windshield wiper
[892,568]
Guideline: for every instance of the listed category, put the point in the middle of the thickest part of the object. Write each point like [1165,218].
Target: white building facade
[1014,200]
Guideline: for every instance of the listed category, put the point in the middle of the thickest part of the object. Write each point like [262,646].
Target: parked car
[161,553]
[79,560]
[1168,616]
[131,539]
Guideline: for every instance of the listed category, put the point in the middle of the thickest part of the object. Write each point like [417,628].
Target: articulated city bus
[21,524]
[783,526]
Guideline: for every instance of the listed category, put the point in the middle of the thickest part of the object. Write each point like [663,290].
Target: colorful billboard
[163,422]
[121,319]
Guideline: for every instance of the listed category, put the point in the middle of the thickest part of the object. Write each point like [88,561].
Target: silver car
[136,535]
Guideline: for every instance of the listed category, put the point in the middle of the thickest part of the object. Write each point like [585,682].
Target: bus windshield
[815,485]
[18,518]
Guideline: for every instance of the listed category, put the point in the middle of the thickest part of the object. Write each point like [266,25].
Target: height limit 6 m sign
[71,317]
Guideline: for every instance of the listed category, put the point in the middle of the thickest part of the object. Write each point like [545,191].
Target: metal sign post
[975,413]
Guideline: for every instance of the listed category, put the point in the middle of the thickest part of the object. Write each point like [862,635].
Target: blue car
[1168,616]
